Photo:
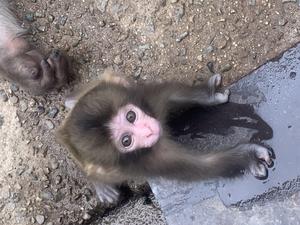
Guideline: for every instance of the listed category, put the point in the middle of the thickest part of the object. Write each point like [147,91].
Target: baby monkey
[117,131]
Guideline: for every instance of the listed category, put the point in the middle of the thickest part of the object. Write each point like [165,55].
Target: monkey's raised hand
[118,132]
[27,67]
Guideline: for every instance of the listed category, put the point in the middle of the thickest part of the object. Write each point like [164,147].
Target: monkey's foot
[213,83]
[107,193]
[263,159]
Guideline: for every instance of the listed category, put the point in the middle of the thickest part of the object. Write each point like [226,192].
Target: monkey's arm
[205,95]
[173,162]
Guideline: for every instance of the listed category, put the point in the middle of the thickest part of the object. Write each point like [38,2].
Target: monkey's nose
[145,131]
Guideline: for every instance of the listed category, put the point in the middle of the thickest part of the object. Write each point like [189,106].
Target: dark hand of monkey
[26,66]
[117,132]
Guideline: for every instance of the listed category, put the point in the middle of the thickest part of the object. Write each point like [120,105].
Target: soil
[146,40]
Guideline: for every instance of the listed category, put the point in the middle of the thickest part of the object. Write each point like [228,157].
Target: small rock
[182,36]
[284,1]
[220,42]
[18,186]
[86,216]
[40,219]
[51,18]
[178,12]
[23,106]
[226,68]
[3,96]
[149,22]
[14,88]
[58,179]
[29,16]
[101,5]
[282,22]
[251,2]
[62,20]
[14,99]
[54,164]
[209,49]
[137,73]
[102,23]
[173,1]
[200,58]
[50,223]
[42,28]
[39,14]
[40,109]
[118,60]
[293,75]
[53,112]
[47,195]
[49,124]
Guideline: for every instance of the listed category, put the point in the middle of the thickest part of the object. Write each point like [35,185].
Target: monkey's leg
[205,95]
[228,163]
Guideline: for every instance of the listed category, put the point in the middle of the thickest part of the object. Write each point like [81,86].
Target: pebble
[58,179]
[23,106]
[251,2]
[39,14]
[284,1]
[137,73]
[42,28]
[40,219]
[282,22]
[14,88]
[3,96]
[54,164]
[102,23]
[40,109]
[29,17]
[50,223]
[209,49]
[293,75]
[182,36]
[53,112]
[118,60]
[49,124]
[62,20]
[14,99]
[178,12]
[51,18]
[101,5]
[47,195]
[86,216]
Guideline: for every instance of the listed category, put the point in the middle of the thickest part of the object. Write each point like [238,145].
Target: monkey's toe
[222,97]
[258,170]
[107,193]
[215,81]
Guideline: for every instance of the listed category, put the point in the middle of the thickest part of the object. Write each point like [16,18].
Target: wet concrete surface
[265,108]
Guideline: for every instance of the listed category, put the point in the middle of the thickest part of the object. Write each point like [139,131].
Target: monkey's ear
[71,102]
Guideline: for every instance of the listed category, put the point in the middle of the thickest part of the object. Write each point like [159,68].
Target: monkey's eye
[131,116]
[126,140]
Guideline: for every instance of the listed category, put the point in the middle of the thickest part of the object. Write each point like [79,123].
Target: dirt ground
[147,40]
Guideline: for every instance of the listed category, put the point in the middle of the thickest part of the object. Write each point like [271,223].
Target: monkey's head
[110,120]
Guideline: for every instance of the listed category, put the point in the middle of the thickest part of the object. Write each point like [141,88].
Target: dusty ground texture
[146,40]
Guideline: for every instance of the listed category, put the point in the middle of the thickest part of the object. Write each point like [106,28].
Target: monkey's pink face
[133,129]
